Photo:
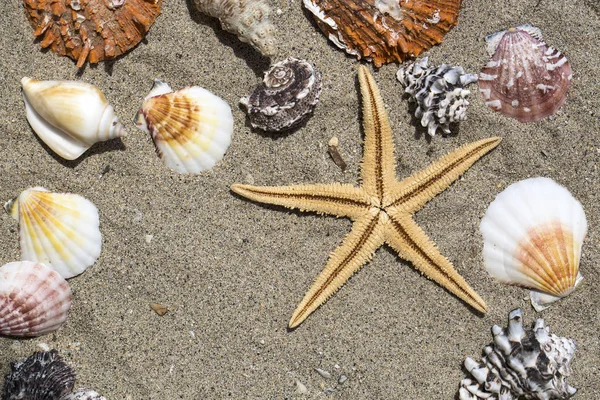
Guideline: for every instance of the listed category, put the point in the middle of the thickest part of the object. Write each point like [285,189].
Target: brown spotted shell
[92,30]
[385,30]
[525,79]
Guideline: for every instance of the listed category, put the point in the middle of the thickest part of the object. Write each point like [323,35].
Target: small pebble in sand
[323,373]
[148,238]
[335,154]
[300,387]
[159,308]
[342,379]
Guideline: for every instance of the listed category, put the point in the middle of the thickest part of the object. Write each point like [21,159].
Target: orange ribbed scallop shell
[92,30]
[385,30]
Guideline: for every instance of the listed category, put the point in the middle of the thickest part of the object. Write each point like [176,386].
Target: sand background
[232,272]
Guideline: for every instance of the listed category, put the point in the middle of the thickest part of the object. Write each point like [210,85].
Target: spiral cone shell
[191,127]
[533,232]
[60,230]
[69,116]
[34,299]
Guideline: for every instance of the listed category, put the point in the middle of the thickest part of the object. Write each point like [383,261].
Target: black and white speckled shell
[439,93]
[521,364]
[42,376]
[84,394]
[288,94]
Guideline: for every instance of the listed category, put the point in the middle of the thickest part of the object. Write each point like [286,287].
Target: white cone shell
[69,116]
[60,230]
[34,299]
[533,232]
[191,127]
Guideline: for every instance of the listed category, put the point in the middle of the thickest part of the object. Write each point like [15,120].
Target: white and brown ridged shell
[286,97]
[525,79]
[533,232]
[520,364]
[69,116]
[61,230]
[41,376]
[34,299]
[91,30]
[439,92]
[191,127]
[249,20]
[384,31]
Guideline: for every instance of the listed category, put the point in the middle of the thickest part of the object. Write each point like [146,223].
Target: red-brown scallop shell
[385,31]
[92,30]
[526,79]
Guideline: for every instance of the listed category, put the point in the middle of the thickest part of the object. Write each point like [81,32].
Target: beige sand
[231,272]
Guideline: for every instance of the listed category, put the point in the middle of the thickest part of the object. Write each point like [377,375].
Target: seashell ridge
[92,30]
[61,230]
[521,364]
[384,31]
[286,97]
[191,127]
[42,375]
[533,232]
[439,92]
[69,116]
[525,79]
[34,299]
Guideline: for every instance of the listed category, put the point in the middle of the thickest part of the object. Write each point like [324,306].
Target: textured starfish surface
[381,208]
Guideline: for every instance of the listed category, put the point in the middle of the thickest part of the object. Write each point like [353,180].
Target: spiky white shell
[525,79]
[439,92]
[521,364]
[69,116]
[249,20]
[60,230]
[533,232]
[191,127]
[34,299]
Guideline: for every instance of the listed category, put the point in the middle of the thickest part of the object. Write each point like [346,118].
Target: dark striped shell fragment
[521,364]
[42,376]
[286,97]
[91,30]
[384,31]
[439,92]
[526,79]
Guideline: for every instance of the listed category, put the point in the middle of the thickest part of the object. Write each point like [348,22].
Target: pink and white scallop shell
[34,299]
[526,79]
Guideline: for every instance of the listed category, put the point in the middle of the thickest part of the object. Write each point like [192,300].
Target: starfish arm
[342,200]
[366,236]
[412,244]
[378,169]
[413,192]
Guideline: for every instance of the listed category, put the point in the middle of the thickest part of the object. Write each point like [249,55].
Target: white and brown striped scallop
[34,299]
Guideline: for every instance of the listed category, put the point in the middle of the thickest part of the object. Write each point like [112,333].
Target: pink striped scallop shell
[34,299]
[526,79]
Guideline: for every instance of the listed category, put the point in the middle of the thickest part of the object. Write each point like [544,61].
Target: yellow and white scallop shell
[533,232]
[34,299]
[191,127]
[61,230]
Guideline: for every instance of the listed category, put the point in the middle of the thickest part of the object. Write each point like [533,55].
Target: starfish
[381,208]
